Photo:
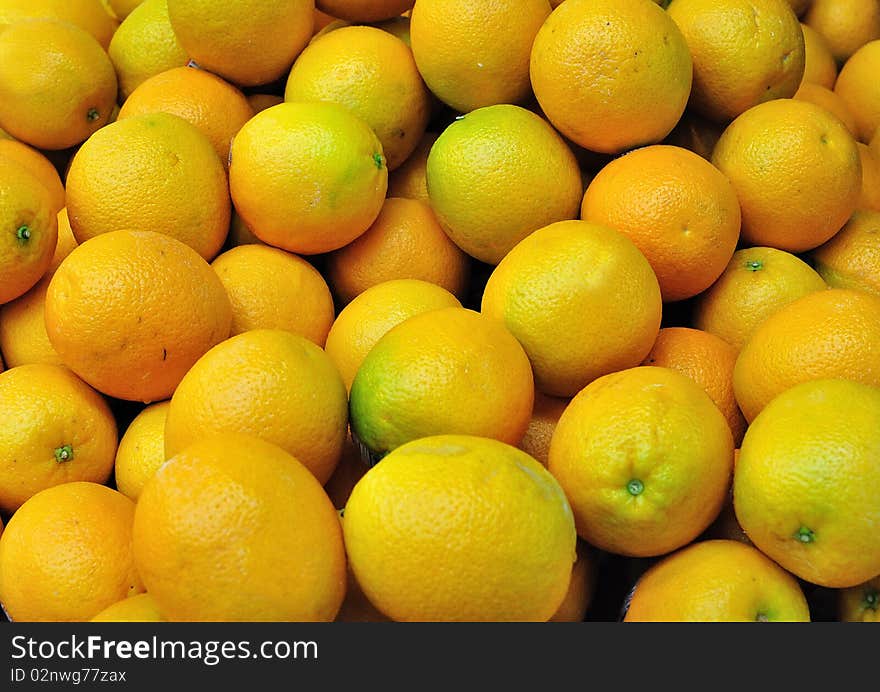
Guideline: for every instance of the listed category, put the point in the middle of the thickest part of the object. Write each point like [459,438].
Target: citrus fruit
[273,289]
[364,10]
[846,25]
[581,587]
[831,102]
[373,74]
[745,52]
[260,102]
[860,603]
[819,64]
[695,133]
[57,429]
[857,87]
[28,230]
[870,197]
[645,459]
[405,242]
[611,75]
[213,105]
[57,85]
[141,450]
[307,177]
[131,311]
[473,55]
[368,317]
[140,608]
[581,299]
[152,172]
[706,359]
[757,282]
[545,416]
[717,581]
[145,45]
[678,209]
[799,6]
[37,165]
[796,172]
[497,174]
[122,8]
[268,383]
[803,486]
[492,516]
[826,334]
[409,179]
[233,528]
[851,259]
[447,371]
[248,42]
[66,554]
[88,15]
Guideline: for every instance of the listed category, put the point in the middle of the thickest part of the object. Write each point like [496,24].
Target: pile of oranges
[431,310]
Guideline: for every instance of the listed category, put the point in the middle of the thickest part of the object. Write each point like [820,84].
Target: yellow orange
[581,299]
[870,197]
[803,486]
[632,79]
[580,588]
[141,450]
[857,87]
[122,8]
[819,64]
[140,608]
[84,562]
[545,416]
[851,259]
[131,311]
[409,179]
[88,15]
[830,101]
[846,25]
[826,334]
[38,165]
[645,459]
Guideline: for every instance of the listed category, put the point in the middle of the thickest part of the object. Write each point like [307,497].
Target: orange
[29,230]
[268,383]
[273,289]
[322,19]
[447,371]
[397,26]
[368,317]
[796,171]
[88,15]
[496,175]
[23,337]
[38,166]
[57,85]
[374,75]
[248,42]
[214,106]
[830,101]
[826,334]
[545,416]
[145,45]
[473,55]
[819,64]
[233,528]
[860,603]
[857,87]
[153,172]
[851,259]
[717,581]
[846,25]
[131,311]
[356,607]
[364,10]
[405,242]
[581,299]
[460,528]
[307,177]
[757,282]
[677,208]
[66,554]
[141,450]
[745,52]
[140,608]
[580,588]
[706,359]
[645,459]
[804,484]
[870,197]
[122,8]
[632,76]
[409,179]
[57,430]
[260,102]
